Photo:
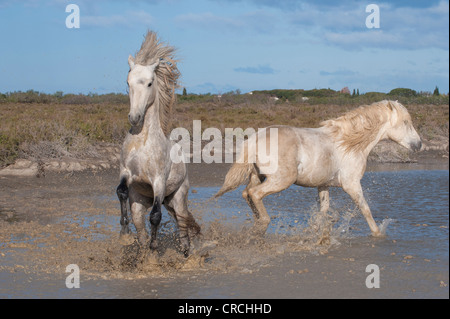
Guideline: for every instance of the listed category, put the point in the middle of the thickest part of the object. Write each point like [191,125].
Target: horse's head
[401,129]
[142,89]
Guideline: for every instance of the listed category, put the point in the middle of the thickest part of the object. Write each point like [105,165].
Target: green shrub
[402,92]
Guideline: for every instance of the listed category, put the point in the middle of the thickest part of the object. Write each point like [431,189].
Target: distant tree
[354,92]
[436,91]
[184,92]
[357,92]
[404,92]
[58,94]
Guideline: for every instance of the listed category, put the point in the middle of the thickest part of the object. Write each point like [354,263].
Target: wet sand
[50,222]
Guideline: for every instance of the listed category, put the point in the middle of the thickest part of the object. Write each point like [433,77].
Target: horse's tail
[236,176]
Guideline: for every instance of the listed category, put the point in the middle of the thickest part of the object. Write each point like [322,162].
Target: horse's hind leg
[273,184]
[184,224]
[254,180]
[178,208]
[122,193]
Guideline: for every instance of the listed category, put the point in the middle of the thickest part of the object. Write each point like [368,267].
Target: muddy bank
[107,157]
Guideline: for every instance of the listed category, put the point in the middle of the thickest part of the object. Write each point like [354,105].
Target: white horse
[333,155]
[148,177]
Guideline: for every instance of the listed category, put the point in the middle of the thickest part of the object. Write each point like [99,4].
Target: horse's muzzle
[134,120]
[416,146]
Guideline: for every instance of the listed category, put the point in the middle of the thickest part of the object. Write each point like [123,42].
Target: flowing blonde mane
[167,74]
[356,129]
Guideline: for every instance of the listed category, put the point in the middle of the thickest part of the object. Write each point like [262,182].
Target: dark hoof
[153,245]
[125,231]
[195,230]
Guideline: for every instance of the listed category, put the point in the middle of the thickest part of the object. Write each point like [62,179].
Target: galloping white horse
[333,155]
[148,177]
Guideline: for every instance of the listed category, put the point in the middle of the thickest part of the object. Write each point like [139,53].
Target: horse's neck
[381,135]
[151,129]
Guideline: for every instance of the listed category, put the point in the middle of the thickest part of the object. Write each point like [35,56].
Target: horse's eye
[150,84]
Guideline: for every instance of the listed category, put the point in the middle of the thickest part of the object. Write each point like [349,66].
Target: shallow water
[417,202]
[413,255]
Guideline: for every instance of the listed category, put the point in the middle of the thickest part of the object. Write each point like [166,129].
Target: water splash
[384,224]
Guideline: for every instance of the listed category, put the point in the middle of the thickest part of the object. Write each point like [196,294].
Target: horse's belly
[306,182]
[317,176]
[316,163]
[312,181]
[143,188]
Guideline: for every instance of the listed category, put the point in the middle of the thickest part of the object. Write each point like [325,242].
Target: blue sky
[226,45]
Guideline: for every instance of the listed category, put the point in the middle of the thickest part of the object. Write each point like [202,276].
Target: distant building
[345,90]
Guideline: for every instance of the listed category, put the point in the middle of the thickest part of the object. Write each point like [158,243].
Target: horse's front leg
[324,198]
[122,193]
[139,205]
[355,191]
[159,188]
[155,220]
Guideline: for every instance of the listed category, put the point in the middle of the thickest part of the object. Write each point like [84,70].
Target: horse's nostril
[134,120]
[419,145]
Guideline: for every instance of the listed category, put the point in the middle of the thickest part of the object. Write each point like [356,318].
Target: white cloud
[259,21]
[260,69]
[339,73]
[343,24]
[400,27]
[207,19]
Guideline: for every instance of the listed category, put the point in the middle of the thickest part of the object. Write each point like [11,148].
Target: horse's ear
[131,61]
[154,65]
[394,113]
[391,105]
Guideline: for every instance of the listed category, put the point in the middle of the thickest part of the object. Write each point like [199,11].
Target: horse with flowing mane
[333,155]
[148,177]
